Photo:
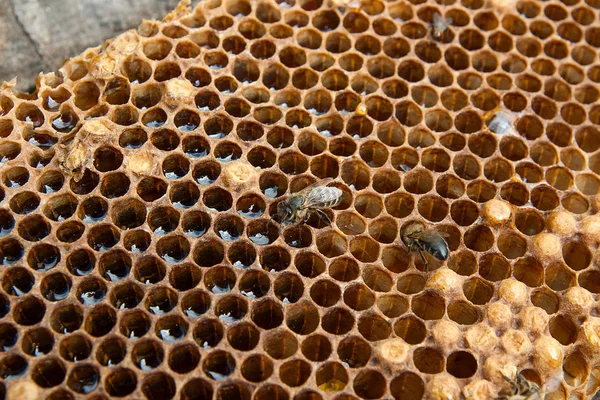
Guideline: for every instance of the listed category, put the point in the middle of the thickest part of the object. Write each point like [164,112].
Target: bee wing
[323,197]
[304,192]
[444,234]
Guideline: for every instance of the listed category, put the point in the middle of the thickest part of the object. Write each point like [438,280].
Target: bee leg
[513,386]
[301,217]
[424,259]
[324,216]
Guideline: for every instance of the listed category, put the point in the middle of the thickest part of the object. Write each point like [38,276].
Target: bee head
[284,211]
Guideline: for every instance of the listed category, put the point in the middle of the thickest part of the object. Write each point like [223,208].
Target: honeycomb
[139,184]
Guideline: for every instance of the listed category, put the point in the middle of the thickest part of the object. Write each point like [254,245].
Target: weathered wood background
[38,35]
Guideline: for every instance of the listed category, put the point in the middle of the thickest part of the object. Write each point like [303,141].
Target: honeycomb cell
[18,281]
[13,366]
[359,297]
[559,277]
[195,303]
[126,296]
[256,368]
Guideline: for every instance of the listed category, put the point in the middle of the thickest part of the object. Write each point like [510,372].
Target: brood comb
[138,184]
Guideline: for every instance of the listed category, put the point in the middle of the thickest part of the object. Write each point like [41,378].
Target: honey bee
[312,199]
[440,25]
[521,389]
[416,236]
[343,5]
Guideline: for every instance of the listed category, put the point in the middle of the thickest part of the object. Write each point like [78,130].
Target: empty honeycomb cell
[515,192]
[436,160]
[514,64]
[147,96]
[428,360]
[56,287]
[493,267]
[295,373]
[33,228]
[11,251]
[24,202]
[18,281]
[557,90]
[75,347]
[546,300]
[529,271]
[559,277]
[544,198]
[463,313]
[588,184]
[359,297]
[16,177]
[91,291]
[428,305]
[6,127]
[6,105]
[147,354]
[316,348]
[498,170]
[587,95]
[37,342]
[386,181]
[13,366]
[420,138]
[257,368]
[364,249]
[226,84]
[125,296]
[411,284]
[65,121]
[484,61]
[563,329]
[440,76]
[451,187]
[195,303]
[83,379]
[408,113]
[205,39]
[48,372]
[573,114]
[432,208]
[479,238]
[478,291]
[413,30]
[7,222]
[373,327]
[404,159]
[249,131]
[369,384]
[260,49]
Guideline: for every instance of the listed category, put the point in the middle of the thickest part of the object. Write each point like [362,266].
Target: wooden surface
[38,35]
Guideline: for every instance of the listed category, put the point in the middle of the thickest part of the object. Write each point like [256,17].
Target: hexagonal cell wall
[139,185]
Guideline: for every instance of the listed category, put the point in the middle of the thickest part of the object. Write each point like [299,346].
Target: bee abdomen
[438,251]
